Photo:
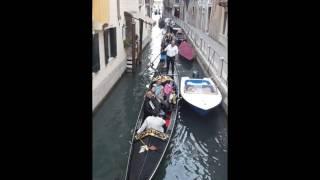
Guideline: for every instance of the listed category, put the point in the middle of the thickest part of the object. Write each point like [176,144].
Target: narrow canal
[198,149]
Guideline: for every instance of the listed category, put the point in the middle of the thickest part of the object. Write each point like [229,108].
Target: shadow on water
[199,146]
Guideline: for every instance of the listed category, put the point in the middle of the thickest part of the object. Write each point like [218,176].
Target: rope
[144,161]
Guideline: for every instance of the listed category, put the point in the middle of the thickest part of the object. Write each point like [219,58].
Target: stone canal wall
[107,80]
[212,57]
[109,75]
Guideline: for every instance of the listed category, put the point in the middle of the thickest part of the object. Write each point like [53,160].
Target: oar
[151,63]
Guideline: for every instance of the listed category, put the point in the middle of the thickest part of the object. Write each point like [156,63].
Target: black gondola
[142,166]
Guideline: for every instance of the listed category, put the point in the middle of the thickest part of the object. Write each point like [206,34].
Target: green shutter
[113,42]
[106,48]
[95,53]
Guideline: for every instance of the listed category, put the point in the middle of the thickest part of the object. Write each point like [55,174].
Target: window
[106,45]
[208,22]
[113,42]
[225,23]
[177,12]
[95,53]
[118,9]
[148,11]
[124,32]
[200,16]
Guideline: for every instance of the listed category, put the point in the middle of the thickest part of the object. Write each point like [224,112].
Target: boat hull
[186,51]
[202,101]
[200,111]
[144,165]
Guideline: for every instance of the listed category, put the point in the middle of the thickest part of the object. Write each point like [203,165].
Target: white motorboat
[201,93]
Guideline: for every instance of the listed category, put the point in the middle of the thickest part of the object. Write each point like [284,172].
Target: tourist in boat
[168,26]
[163,57]
[158,91]
[173,99]
[168,88]
[152,122]
[158,88]
[171,26]
[151,105]
[172,51]
[168,38]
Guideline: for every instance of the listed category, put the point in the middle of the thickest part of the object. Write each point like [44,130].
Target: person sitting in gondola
[168,88]
[154,122]
[168,38]
[158,88]
[163,56]
[151,105]
[173,99]
[159,94]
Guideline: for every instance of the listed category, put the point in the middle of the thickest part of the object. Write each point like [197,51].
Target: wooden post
[141,35]
[133,34]
[139,48]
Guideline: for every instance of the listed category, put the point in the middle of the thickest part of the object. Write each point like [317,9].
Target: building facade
[209,16]
[109,53]
[205,23]
[157,4]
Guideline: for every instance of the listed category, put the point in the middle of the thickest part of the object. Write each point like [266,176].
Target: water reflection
[198,149]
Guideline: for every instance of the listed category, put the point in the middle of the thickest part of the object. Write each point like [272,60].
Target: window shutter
[113,42]
[106,48]
[95,53]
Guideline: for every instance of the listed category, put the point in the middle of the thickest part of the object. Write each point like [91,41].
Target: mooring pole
[133,34]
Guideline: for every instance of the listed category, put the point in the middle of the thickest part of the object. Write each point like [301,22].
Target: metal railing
[216,63]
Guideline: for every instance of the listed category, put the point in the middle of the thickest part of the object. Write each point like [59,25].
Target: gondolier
[172,51]
[153,122]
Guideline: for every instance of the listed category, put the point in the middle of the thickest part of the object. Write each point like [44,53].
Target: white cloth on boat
[152,122]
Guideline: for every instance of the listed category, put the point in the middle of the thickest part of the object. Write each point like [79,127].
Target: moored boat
[186,51]
[203,94]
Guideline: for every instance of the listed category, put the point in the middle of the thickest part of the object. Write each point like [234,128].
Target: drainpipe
[222,59]
[133,34]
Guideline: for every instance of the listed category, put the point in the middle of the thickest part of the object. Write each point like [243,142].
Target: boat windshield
[199,87]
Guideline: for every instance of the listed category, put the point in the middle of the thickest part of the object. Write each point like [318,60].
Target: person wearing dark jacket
[152,106]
